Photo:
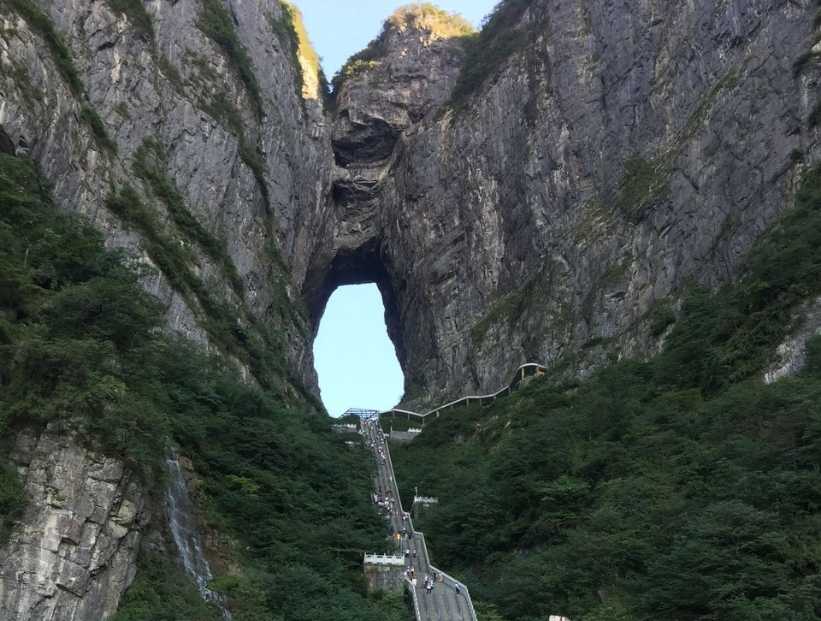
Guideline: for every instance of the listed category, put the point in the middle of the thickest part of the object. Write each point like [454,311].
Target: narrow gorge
[183,191]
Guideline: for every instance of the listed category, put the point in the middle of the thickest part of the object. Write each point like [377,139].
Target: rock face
[76,550]
[249,157]
[622,151]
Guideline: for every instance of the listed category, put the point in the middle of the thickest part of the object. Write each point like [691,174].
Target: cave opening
[355,359]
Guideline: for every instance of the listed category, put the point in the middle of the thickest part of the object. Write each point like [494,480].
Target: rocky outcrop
[619,153]
[74,553]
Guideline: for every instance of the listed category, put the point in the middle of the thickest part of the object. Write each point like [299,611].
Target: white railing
[526,370]
[384,559]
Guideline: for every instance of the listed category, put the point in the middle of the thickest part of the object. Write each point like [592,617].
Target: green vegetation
[163,592]
[104,141]
[12,500]
[221,108]
[216,23]
[680,488]
[170,71]
[135,11]
[644,183]
[499,39]
[508,308]
[81,342]
[427,16]
[241,336]
[150,164]
[661,317]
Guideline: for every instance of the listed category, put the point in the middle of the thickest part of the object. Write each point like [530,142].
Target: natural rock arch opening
[366,264]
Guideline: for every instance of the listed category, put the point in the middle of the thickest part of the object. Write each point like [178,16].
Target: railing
[530,369]
[384,559]
[447,578]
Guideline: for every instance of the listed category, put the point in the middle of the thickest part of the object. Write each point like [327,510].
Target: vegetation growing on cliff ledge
[135,11]
[499,38]
[680,488]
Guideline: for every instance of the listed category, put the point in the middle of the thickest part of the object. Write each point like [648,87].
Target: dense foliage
[80,343]
[678,489]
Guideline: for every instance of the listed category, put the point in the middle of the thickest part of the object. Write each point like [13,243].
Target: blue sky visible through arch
[340,28]
[354,358]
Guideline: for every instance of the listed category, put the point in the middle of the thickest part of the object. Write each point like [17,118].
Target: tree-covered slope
[683,488]
[81,344]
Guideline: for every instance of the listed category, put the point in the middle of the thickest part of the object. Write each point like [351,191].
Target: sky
[355,360]
[340,28]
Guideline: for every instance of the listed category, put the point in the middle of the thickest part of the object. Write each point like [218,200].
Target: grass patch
[216,23]
[223,110]
[61,55]
[291,30]
[422,16]
[101,137]
[170,71]
[643,185]
[135,11]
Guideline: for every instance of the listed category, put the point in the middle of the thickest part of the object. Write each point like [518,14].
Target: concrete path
[449,599]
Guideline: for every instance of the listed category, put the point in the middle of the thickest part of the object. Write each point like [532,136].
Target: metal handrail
[516,381]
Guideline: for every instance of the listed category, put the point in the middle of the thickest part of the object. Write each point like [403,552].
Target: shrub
[12,500]
[135,11]
[657,484]
[90,116]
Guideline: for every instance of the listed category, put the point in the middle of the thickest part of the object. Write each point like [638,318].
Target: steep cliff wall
[613,154]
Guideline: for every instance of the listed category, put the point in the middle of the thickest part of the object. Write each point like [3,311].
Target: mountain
[554,188]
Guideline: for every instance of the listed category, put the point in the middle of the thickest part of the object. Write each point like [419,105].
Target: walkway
[449,600]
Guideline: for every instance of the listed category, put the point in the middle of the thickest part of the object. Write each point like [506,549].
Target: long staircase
[447,599]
